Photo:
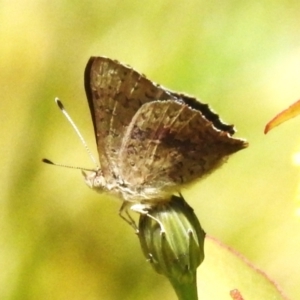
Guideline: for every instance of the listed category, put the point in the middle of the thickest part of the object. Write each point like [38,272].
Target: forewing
[170,143]
[115,92]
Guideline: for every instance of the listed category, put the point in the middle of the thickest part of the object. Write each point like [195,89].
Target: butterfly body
[126,192]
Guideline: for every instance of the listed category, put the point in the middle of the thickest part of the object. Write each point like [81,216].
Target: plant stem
[185,290]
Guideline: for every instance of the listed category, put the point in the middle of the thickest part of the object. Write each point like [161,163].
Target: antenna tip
[47,161]
[58,102]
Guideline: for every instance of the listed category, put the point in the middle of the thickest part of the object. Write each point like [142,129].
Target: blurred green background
[60,240]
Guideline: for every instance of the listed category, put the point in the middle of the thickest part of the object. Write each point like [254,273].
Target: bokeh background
[60,240]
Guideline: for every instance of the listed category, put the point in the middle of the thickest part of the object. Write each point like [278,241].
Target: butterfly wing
[115,93]
[169,143]
[150,136]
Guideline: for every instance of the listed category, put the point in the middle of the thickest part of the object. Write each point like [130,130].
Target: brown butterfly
[151,141]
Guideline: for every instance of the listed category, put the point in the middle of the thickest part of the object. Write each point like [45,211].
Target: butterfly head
[95,180]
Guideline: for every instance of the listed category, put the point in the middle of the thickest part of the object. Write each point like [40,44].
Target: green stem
[185,290]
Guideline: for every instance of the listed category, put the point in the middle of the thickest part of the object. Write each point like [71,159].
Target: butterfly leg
[138,208]
[144,210]
[124,214]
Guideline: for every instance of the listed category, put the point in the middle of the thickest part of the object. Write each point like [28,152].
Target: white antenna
[63,110]
[49,162]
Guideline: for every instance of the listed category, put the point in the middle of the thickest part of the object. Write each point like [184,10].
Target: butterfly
[151,141]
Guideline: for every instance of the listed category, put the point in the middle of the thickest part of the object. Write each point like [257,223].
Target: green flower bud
[173,240]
